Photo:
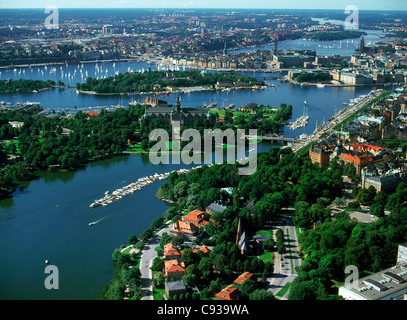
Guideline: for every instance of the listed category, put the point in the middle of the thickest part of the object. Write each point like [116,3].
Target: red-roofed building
[243,277]
[171,251]
[203,248]
[363,156]
[229,293]
[91,114]
[174,269]
[365,147]
[196,217]
[183,227]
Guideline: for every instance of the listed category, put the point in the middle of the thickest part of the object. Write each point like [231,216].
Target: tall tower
[224,49]
[176,112]
[362,45]
[275,46]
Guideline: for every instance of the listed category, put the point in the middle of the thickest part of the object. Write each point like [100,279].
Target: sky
[232,4]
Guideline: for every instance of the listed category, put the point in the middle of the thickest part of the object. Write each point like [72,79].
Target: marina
[118,194]
[301,121]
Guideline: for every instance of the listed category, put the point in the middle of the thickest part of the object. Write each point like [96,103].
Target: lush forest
[135,82]
[44,143]
[23,85]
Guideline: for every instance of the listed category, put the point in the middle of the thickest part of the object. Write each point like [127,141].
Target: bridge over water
[273,138]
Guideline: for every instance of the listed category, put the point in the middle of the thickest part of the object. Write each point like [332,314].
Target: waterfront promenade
[338,118]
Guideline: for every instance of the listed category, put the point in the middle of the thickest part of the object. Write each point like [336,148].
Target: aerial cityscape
[203,153]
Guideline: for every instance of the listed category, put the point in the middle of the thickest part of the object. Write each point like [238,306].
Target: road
[146,260]
[338,118]
[284,273]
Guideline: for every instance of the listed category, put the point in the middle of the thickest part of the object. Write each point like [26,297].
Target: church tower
[362,45]
[176,111]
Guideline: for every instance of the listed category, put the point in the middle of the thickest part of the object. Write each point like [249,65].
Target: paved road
[285,273]
[146,261]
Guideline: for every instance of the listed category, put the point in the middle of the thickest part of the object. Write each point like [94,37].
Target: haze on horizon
[227,4]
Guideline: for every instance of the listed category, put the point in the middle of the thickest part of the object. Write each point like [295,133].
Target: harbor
[118,194]
[301,121]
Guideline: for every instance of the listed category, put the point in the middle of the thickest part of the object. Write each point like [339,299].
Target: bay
[48,218]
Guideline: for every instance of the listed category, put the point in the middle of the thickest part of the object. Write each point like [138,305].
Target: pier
[118,194]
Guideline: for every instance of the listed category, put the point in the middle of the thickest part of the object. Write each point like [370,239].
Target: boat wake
[95,222]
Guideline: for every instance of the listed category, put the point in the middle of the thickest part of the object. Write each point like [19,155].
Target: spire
[224,49]
[178,103]
[145,111]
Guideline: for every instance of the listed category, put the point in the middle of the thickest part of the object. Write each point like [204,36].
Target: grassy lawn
[236,113]
[135,148]
[221,113]
[7,147]
[289,252]
[265,232]
[284,290]
[266,256]
[298,232]
[158,293]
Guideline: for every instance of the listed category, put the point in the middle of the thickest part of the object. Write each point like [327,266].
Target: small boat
[46,261]
[92,223]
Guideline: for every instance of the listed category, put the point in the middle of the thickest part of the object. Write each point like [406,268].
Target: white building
[388,284]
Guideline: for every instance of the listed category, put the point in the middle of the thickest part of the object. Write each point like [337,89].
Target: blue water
[48,219]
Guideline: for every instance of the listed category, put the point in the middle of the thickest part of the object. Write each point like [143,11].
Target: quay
[354,106]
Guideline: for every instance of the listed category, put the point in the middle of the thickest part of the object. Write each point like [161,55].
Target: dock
[131,188]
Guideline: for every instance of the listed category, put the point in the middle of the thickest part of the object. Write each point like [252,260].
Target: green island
[283,179]
[162,81]
[24,85]
[336,35]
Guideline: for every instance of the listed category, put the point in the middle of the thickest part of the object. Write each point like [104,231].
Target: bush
[354,205]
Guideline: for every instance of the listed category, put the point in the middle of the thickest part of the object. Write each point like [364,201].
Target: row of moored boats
[118,194]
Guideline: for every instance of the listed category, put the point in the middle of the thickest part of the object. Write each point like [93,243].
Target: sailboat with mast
[301,121]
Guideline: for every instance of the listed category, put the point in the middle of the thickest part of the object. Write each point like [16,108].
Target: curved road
[146,261]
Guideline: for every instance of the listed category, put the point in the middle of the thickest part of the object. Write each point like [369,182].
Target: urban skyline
[192,4]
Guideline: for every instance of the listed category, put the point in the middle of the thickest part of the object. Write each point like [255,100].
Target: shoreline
[66,62]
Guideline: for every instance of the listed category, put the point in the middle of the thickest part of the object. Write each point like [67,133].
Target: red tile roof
[195,216]
[243,277]
[171,251]
[172,266]
[228,293]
